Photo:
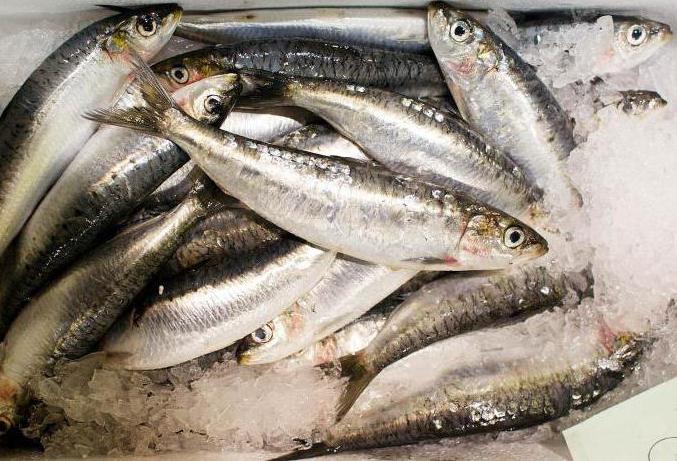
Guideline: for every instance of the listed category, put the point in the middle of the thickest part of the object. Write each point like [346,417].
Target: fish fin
[150,117]
[264,89]
[316,449]
[358,380]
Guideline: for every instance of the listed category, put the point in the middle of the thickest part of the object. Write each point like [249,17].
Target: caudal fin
[150,117]
[358,379]
[315,450]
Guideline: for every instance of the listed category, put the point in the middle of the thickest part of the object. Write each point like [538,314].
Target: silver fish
[322,139]
[455,305]
[42,129]
[502,97]
[70,316]
[348,290]
[407,136]
[108,179]
[340,204]
[214,306]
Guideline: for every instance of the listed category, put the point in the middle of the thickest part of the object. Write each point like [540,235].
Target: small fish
[213,306]
[502,97]
[507,404]
[322,139]
[342,205]
[455,305]
[410,74]
[71,315]
[41,129]
[405,135]
[108,179]
[348,290]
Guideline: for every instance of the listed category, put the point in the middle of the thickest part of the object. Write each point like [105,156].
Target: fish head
[179,71]
[464,48]
[143,31]
[262,346]
[495,240]
[210,100]
[636,39]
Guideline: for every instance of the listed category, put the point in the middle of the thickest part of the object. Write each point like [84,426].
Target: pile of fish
[335,187]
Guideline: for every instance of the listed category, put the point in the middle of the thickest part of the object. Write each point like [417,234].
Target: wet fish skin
[502,97]
[340,204]
[41,129]
[524,401]
[454,305]
[109,178]
[214,306]
[70,316]
[407,136]
[322,139]
[411,74]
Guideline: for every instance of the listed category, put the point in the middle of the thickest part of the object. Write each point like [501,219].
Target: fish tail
[316,449]
[358,379]
[150,117]
[265,89]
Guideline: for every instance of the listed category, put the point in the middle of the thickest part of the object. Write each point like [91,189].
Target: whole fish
[340,204]
[214,306]
[502,97]
[348,290]
[70,316]
[411,74]
[322,139]
[407,136]
[41,129]
[115,170]
[229,233]
[455,305]
[507,404]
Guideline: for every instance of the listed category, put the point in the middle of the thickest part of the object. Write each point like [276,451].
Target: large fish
[214,306]
[115,170]
[455,305]
[340,204]
[41,129]
[70,316]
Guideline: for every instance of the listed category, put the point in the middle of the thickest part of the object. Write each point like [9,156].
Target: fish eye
[637,35]
[263,335]
[213,104]
[146,25]
[460,31]
[179,74]
[513,237]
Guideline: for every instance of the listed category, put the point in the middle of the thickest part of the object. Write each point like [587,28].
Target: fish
[322,139]
[407,73]
[348,290]
[342,205]
[405,135]
[400,29]
[501,96]
[454,305]
[114,171]
[229,233]
[214,306]
[68,318]
[407,289]
[508,403]
[41,129]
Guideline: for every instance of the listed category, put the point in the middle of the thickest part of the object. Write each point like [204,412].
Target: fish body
[214,306]
[115,170]
[41,129]
[348,290]
[69,316]
[407,73]
[322,139]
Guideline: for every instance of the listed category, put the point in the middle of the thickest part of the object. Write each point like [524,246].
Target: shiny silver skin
[405,135]
[407,73]
[267,125]
[70,316]
[41,129]
[113,172]
[508,403]
[212,307]
[392,28]
[340,204]
[503,99]
[348,290]
[324,140]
